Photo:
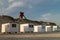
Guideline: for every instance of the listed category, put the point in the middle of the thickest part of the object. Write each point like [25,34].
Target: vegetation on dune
[6,18]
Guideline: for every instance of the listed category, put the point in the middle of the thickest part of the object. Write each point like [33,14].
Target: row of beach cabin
[26,27]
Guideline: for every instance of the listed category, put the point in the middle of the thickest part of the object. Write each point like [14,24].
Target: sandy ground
[31,35]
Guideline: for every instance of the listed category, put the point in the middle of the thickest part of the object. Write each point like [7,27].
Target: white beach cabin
[42,28]
[37,28]
[54,28]
[10,28]
[27,27]
[48,29]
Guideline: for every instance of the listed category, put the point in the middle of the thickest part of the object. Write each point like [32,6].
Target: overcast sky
[43,10]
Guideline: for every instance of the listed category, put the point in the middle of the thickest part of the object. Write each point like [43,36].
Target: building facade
[26,27]
[10,27]
[38,28]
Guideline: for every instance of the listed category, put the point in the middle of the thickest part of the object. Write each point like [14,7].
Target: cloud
[16,4]
[10,0]
[30,6]
[12,4]
[11,7]
[50,17]
[1,3]
[46,17]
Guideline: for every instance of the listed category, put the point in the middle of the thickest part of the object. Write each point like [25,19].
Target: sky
[41,10]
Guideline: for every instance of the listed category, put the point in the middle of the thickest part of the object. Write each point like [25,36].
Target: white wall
[22,27]
[14,29]
[43,28]
[7,27]
[54,28]
[48,28]
[35,28]
[25,27]
[3,29]
[38,28]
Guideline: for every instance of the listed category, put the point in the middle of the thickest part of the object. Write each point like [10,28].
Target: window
[43,27]
[30,26]
[13,25]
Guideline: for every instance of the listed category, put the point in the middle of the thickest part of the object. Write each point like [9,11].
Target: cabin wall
[3,29]
[14,29]
[48,28]
[0,26]
[22,26]
[8,28]
[54,28]
[38,28]
[43,28]
[26,28]
[35,28]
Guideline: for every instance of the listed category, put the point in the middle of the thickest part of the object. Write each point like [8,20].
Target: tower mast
[21,16]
